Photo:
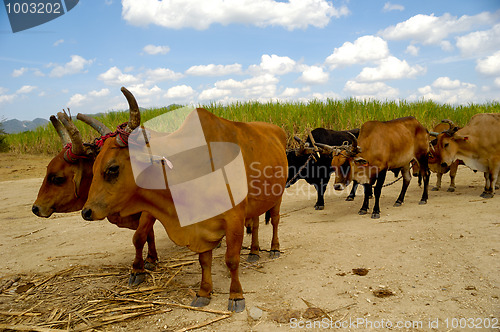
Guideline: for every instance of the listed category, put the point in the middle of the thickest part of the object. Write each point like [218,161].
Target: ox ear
[77,178]
[460,138]
[361,161]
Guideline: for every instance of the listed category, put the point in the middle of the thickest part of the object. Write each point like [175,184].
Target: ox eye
[112,172]
[57,180]
[446,145]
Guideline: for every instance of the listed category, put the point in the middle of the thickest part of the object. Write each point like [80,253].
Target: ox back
[317,172]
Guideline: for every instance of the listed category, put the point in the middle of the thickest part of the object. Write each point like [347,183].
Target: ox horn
[433,133]
[77,146]
[94,123]
[61,132]
[449,122]
[326,147]
[135,116]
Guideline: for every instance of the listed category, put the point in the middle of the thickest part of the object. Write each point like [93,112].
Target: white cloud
[497,82]
[58,42]
[76,100]
[19,72]
[214,94]
[431,30]
[155,50]
[114,76]
[142,90]
[364,49]
[313,75]
[480,42]
[101,93]
[75,66]
[446,83]
[390,6]
[180,91]
[200,14]
[79,99]
[445,90]
[412,49]
[326,95]
[5,98]
[214,70]
[489,65]
[26,89]
[162,74]
[274,64]
[390,68]
[377,90]
[290,92]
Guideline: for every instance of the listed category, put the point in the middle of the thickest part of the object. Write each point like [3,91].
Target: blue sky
[200,51]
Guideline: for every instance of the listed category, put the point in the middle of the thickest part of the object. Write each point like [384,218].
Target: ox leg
[141,235]
[203,296]
[439,176]
[320,188]
[352,194]
[234,240]
[491,179]
[425,172]
[406,182]
[377,191]
[253,256]
[152,257]
[453,175]
[366,199]
[275,220]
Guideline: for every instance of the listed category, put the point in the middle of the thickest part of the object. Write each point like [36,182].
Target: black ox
[318,170]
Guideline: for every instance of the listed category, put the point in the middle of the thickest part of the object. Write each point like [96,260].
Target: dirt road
[428,266]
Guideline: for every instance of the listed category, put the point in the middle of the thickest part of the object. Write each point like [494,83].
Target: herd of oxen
[97,178]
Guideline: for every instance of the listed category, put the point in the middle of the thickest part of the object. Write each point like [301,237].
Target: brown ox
[435,160]
[382,146]
[66,186]
[477,145]
[262,147]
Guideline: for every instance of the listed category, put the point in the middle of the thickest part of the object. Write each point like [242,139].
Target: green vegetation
[296,118]
[4,146]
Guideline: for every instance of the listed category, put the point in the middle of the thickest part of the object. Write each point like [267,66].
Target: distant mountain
[15,126]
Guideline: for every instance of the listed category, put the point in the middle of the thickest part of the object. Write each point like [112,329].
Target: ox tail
[268,217]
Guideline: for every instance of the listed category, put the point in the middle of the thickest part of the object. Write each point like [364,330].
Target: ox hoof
[486,195]
[375,215]
[451,189]
[252,258]
[136,278]
[151,266]
[319,207]
[497,186]
[398,204]
[350,198]
[237,305]
[274,254]
[362,212]
[200,301]
[436,189]
[422,202]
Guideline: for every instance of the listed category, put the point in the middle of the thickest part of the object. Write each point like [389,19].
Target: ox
[66,186]
[383,146]
[477,145]
[435,160]
[262,146]
[317,171]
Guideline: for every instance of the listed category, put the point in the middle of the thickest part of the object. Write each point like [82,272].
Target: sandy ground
[440,261]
